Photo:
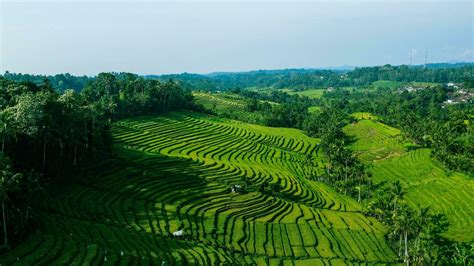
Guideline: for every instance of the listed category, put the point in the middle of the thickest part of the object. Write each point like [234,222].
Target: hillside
[427,183]
[226,104]
[178,172]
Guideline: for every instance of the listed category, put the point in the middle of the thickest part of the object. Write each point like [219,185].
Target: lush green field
[222,102]
[228,104]
[175,172]
[375,141]
[367,116]
[314,109]
[427,183]
[310,93]
[387,84]
[425,84]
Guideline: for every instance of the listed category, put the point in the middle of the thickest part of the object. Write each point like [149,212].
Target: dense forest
[60,82]
[301,79]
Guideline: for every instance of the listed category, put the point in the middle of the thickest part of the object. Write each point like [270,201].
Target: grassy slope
[427,182]
[174,172]
[310,93]
[232,105]
[314,109]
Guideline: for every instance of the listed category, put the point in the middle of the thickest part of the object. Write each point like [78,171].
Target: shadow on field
[133,206]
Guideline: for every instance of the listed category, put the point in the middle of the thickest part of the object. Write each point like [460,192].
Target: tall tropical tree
[9,182]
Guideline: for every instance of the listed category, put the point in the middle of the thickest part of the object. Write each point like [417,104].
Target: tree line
[296,79]
[60,82]
[289,110]
[301,79]
[344,171]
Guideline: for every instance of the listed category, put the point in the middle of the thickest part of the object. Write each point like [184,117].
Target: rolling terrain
[426,182]
[236,193]
[229,105]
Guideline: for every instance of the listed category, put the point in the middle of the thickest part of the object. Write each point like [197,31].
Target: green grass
[427,183]
[229,105]
[314,109]
[387,84]
[375,140]
[425,84]
[174,172]
[364,116]
[310,93]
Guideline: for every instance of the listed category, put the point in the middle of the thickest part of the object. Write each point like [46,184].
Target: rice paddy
[229,105]
[427,183]
[193,189]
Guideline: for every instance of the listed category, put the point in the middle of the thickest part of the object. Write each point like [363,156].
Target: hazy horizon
[85,38]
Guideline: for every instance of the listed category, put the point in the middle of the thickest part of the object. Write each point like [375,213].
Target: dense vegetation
[60,82]
[46,134]
[302,79]
[239,193]
[98,169]
[408,183]
[428,182]
[419,229]
[425,120]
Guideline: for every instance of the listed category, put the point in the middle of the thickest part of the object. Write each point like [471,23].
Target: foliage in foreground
[46,134]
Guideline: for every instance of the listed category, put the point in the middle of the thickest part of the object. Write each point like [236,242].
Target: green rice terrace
[189,188]
[427,182]
[301,133]
[229,105]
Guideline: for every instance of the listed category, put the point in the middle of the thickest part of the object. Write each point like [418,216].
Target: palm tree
[30,185]
[398,192]
[405,225]
[6,131]
[9,182]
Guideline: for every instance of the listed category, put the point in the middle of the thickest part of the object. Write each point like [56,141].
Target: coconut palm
[9,182]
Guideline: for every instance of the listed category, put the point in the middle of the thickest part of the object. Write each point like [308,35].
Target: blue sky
[159,37]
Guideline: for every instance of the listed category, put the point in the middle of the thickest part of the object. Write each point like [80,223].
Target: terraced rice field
[222,100]
[427,183]
[176,172]
[375,140]
[369,116]
[231,105]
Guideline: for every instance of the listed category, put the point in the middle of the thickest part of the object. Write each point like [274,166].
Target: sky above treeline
[159,37]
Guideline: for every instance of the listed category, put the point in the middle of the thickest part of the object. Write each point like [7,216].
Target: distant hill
[450,65]
[296,79]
